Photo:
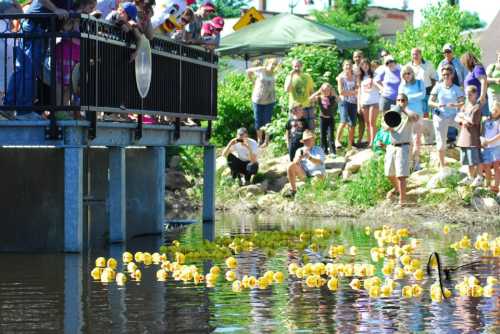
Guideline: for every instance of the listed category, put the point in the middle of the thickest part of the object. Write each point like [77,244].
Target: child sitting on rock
[295,127]
[469,119]
[491,152]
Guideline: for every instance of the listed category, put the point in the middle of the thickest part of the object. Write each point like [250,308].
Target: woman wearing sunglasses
[415,91]
[447,98]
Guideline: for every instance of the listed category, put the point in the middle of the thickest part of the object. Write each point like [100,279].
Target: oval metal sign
[143,64]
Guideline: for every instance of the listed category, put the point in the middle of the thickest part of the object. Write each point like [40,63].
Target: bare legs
[369,115]
[399,184]
[295,170]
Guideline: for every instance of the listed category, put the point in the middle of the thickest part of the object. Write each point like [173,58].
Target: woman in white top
[263,97]
[368,99]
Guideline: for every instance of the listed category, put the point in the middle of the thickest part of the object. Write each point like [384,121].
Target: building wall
[489,41]
[391,20]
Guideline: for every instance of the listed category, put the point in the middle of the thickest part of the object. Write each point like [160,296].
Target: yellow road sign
[251,16]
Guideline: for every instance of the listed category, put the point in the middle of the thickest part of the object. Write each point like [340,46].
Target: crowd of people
[21,82]
[461,98]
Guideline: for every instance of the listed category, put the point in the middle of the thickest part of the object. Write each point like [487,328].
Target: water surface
[54,293]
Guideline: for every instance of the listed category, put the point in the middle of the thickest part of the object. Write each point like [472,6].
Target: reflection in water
[55,293]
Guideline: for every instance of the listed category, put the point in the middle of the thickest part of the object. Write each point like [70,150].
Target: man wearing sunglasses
[449,59]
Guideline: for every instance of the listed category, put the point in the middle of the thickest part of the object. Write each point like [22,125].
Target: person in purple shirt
[388,82]
[476,77]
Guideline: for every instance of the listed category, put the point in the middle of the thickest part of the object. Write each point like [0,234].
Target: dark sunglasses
[447,51]
[401,100]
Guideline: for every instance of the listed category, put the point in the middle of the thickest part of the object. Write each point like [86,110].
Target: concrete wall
[31,199]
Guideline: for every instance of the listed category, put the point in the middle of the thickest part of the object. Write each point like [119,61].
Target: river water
[54,293]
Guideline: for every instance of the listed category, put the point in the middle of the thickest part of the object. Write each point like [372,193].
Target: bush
[440,25]
[234,107]
[368,187]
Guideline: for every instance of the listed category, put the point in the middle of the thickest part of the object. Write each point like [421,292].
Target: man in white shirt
[242,154]
[424,71]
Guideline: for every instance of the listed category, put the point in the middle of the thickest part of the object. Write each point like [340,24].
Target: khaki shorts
[397,161]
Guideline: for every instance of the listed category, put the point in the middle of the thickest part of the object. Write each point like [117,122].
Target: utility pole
[292,4]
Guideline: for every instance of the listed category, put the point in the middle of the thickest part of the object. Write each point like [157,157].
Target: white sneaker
[478,181]
[466,181]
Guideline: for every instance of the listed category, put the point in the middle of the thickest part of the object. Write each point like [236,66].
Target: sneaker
[466,181]
[290,194]
[478,181]
[338,144]
[31,116]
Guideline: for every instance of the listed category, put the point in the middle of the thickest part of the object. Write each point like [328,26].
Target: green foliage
[440,25]
[230,8]
[191,160]
[352,17]
[368,187]
[319,61]
[471,20]
[234,107]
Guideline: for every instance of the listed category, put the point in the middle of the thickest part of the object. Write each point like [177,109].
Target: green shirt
[302,89]
[493,71]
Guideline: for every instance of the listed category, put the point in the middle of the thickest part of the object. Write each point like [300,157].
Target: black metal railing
[183,82]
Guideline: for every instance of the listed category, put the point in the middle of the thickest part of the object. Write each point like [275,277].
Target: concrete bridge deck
[64,194]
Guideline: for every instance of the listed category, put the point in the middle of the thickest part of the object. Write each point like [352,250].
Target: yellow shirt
[302,89]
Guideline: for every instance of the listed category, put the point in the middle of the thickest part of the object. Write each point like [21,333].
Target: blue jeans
[29,56]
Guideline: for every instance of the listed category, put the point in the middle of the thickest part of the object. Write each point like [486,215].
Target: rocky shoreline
[463,203]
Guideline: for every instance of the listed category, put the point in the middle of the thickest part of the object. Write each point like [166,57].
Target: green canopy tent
[279,33]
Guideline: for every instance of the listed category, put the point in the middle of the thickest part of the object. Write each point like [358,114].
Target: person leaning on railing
[29,57]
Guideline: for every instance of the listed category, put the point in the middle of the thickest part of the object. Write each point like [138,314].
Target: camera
[239,140]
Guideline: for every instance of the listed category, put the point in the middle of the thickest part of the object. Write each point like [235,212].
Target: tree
[440,25]
[471,20]
[352,16]
[230,8]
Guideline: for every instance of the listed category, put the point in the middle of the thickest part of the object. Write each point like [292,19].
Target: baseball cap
[218,22]
[207,29]
[447,46]
[130,9]
[241,132]
[388,59]
[190,2]
[209,6]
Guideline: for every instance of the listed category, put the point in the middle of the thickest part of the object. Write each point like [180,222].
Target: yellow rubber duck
[231,263]
[138,257]
[333,284]
[112,263]
[156,257]
[399,273]
[355,284]
[131,267]
[96,273]
[215,270]
[374,291]
[488,291]
[100,262]
[127,257]
[236,286]
[278,277]
[386,290]
[147,259]
[262,283]
[446,229]
[180,258]
[137,275]
[121,279]
[161,275]
[490,280]
[407,291]
[418,274]
[353,250]
[292,268]
[230,275]
[416,290]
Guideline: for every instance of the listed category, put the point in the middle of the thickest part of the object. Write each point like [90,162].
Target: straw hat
[308,134]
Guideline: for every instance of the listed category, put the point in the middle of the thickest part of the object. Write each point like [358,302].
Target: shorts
[263,113]
[369,105]
[397,161]
[441,126]
[491,154]
[310,116]
[308,172]
[348,113]
[470,156]
[385,104]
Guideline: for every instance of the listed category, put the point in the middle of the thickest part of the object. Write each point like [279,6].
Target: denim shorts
[348,113]
[491,154]
[263,114]
[470,156]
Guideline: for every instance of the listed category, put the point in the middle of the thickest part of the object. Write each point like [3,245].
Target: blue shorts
[470,156]
[491,154]
[263,114]
[348,113]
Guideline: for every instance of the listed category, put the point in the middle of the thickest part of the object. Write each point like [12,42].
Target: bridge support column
[73,199]
[158,171]
[208,192]
[117,195]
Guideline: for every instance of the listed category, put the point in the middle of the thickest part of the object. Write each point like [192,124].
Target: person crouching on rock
[295,127]
[242,154]
[309,161]
[397,156]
